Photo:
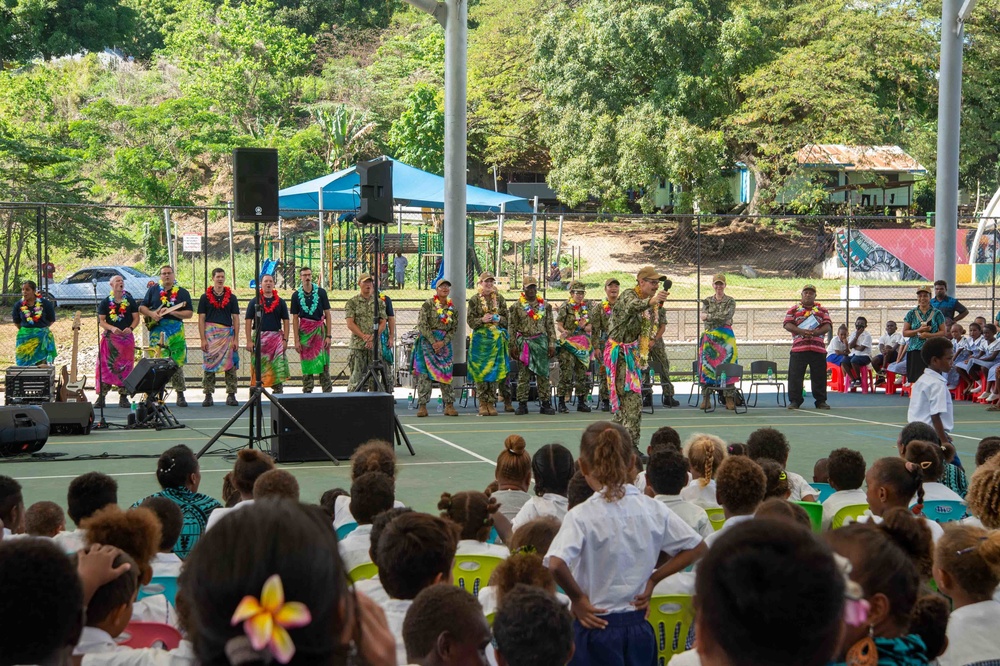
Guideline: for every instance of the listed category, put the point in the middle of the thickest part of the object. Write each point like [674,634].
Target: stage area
[456,454]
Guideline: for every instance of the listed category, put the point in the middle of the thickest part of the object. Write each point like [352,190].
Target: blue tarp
[410,187]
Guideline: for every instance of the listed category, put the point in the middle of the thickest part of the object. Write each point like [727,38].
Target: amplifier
[30,385]
[70,418]
[340,421]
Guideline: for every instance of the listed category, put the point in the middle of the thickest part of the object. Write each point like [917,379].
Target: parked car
[78,288]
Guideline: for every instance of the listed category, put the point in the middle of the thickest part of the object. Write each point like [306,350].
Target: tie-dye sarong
[173,332]
[34,346]
[115,358]
[488,358]
[579,347]
[273,363]
[718,346]
[220,356]
[613,352]
[311,336]
[436,365]
[533,352]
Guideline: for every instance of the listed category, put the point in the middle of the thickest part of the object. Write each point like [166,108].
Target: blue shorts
[628,640]
[836,359]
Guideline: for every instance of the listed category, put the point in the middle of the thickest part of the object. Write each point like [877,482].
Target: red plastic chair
[867,381]
[150,634]
[836,381]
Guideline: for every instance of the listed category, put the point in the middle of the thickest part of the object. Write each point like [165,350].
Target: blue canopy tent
[410,187]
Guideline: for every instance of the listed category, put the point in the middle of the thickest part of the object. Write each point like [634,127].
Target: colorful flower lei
[530,308]
[226,295]
[606,307]
[581,313]
[445,313]
[116,311]
[274,303]
[172,299]
[34,314]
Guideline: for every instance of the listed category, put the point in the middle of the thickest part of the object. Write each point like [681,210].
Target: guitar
[150,322]
[70,388]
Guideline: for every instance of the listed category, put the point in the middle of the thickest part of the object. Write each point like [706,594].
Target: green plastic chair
[815,511]
[472,572]
[364,571]
[852,511]
[717,518]
[671,616]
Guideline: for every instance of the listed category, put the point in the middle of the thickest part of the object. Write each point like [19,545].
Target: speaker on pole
[255,184]
[375,179]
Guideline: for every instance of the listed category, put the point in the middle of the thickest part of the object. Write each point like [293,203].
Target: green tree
[51,28]
[417,137]
[348,135]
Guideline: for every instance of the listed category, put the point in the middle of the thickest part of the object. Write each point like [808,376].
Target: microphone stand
[101,423]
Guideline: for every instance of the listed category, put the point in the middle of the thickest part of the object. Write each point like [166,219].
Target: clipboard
[810,323]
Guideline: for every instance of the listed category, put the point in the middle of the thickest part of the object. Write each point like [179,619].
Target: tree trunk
[762,183]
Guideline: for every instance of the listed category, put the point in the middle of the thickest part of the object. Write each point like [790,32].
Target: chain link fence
[866,266]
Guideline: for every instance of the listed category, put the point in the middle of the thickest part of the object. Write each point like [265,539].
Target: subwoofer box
[340,421]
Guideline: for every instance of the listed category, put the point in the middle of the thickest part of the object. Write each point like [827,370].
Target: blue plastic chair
[165,585]
[346,529]
[944,511]
[824,490]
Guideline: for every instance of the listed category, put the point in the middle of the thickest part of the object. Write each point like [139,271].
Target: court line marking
[229,469]
[451,444]
[890,425]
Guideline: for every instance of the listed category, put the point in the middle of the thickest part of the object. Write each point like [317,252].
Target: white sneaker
[990,397]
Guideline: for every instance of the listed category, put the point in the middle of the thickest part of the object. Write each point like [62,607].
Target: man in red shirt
[807,321]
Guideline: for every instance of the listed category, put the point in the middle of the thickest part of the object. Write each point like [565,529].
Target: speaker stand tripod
[255,431]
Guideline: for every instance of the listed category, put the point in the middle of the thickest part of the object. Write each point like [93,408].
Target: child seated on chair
[521,568]
[667,476]
[664,438]
[704,453]
[953,475]
[930,400]
[276,484]
[87,494]
[552,468]
[986,449]
[930,459]
[165,562]
[821,471]
[44,519]
[771,443]
[859,351]
[109,611]
[742,485]
[371,494]
[11,507]
[837,351]
[445,626]
[415,551]
[375,455]
[473,513]
[372,587]
[513,477]
[778,486]
[249,466]
[894,483]
[847,474]
[783,577]
[533,628]
[984,496]
[967,570]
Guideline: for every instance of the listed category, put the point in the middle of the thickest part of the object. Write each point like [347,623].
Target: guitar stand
[154,413]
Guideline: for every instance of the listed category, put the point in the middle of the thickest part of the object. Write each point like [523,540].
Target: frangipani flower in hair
[266,621]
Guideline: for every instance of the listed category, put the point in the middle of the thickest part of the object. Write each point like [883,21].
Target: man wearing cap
[634,320]
[601,322]
[718,343]
[919,325]
[359,313]
[432,355]
[949,306]
[807,321]
[659,363]
[534,339]
[573,323]
[489,362]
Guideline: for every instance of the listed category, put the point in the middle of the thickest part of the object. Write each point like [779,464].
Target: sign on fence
[192,242]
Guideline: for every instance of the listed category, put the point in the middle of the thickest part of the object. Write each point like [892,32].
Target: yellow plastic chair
[671,616]
[472,572]
[815,511]
[717,517]
[364,571]
[852,511]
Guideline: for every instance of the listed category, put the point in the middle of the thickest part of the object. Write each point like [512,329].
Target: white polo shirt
[929,395]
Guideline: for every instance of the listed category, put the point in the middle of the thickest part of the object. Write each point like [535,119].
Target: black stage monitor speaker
[375,179]
[70,418]
[255,184]
[23,429]
[150,375]
[340,421]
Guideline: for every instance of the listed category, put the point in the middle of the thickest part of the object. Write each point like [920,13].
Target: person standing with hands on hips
[634,321]
[807,321]
[432,355]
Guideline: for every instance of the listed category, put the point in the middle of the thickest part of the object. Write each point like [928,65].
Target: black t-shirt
[389,312]
[152,300]
[48,314]
[221,316]
[269,321]
[320,312]
[124,320]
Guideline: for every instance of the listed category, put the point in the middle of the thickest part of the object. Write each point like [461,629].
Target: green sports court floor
[454,454]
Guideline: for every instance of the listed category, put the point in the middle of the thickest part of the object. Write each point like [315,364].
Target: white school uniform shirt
[182,655]
[730,523]
[800,487]
[836,347]
[840,500]
[354,548]
[611,548]
[95,641]
[473,547]
[71,542]
[548,504]
[972,634]
[891,341]
[938,492]
[681,582]
[690,513]
[936,530]
[395,613]
[689,658]
[166,565]
[864,344]
[703,496]
[372,588]
[155,608]
[487,598]
[979,344]
[217,514]
[929,395]
[342,511]
[640,481]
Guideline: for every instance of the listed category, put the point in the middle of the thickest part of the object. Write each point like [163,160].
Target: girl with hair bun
[607,548]
[473,513]
[930,458]
[513,476]
[967,570]
[895,483]
[552,467]
[705,454]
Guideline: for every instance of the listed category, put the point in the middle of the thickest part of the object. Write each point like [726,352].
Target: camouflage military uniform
[600,320]
[658,360]
[362,311]
[569,367]
[428,322]
[208,381]
[487,391]
[523,325]
[626,327]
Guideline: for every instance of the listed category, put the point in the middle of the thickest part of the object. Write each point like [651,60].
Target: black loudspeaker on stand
[23,429]
[359,417]
[255,184]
